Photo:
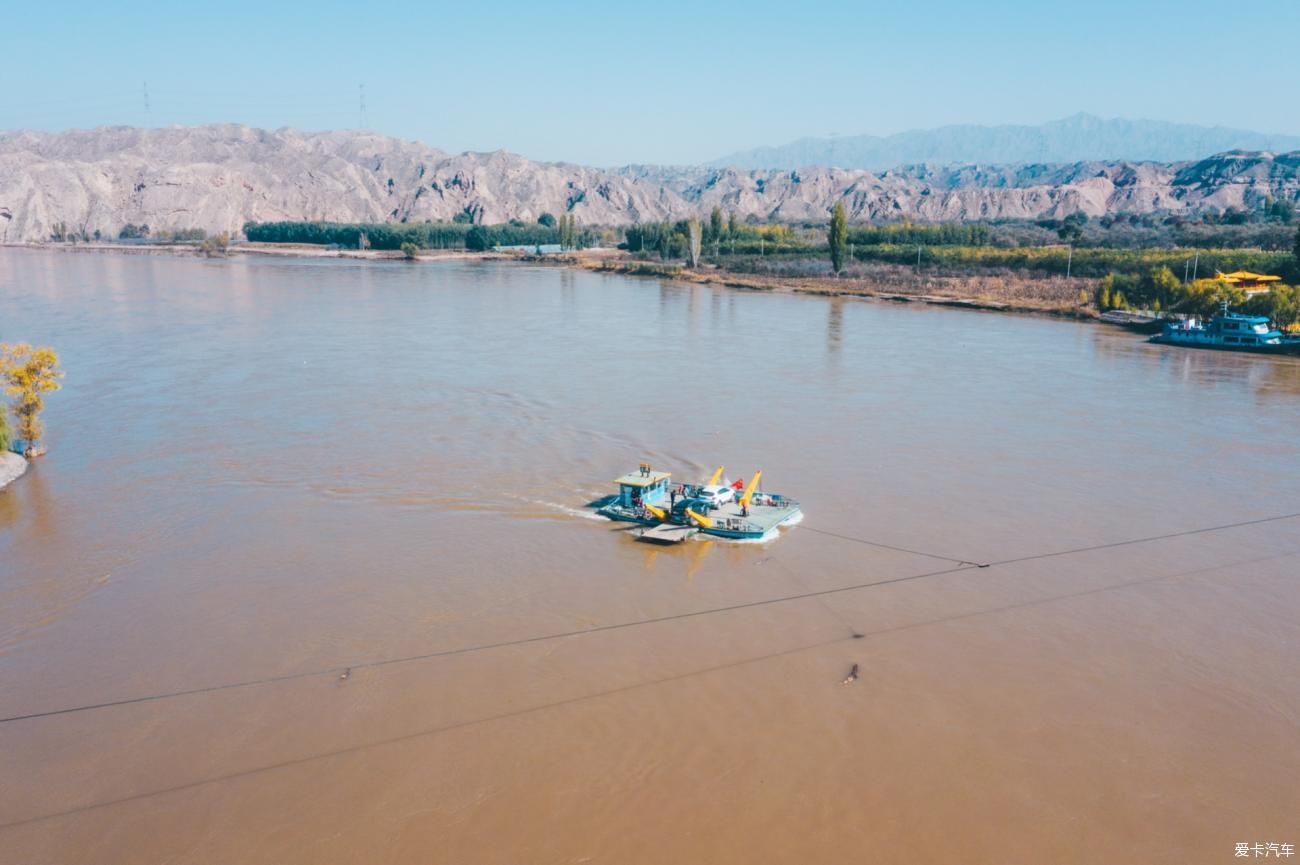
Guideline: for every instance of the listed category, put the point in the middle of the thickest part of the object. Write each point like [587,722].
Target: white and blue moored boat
[1227,331]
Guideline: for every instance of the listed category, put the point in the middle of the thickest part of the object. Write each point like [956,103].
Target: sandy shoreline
[964,292]
[12,467]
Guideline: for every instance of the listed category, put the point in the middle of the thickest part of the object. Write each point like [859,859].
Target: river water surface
[309,558]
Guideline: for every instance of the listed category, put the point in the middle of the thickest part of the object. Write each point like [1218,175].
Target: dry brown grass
[1008,291]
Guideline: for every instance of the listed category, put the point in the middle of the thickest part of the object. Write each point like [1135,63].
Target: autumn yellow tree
[29,373]
[6,432]
[1204,296]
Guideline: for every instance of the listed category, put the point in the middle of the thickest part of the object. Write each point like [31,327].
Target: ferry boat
[674,512]
[1228,331]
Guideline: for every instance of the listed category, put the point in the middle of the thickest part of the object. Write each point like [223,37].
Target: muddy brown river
[307,577]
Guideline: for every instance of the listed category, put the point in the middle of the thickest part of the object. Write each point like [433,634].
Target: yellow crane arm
[717,476]
[704,521]
[658,512]
[749,490]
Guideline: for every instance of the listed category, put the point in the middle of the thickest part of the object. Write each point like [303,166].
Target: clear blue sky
[669,82]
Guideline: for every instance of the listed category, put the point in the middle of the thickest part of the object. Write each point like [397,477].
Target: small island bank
[12,467]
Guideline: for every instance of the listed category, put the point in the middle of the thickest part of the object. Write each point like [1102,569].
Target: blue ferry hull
[1283,348]
[1228,331]
[781,517]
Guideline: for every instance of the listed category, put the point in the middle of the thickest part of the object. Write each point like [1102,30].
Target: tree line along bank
[1140,261]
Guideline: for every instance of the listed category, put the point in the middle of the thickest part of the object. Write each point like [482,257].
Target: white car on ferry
[716,496]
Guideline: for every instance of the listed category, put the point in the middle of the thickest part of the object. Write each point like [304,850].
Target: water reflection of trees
[835,326]
[1263,374]
[8,510]
[1282,376]
[35,598]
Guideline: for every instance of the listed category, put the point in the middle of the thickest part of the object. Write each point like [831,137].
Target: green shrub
[6,431]
[218,244]
[924,234]
[391,235]
[1281,304]
[1087,262]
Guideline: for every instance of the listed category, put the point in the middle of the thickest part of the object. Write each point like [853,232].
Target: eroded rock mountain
[219,177]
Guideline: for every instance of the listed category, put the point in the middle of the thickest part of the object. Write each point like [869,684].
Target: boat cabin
[642,487]
[1234,323]
[1245,330]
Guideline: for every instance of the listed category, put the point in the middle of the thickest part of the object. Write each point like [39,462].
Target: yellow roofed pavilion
[1251,283]
[1246,278]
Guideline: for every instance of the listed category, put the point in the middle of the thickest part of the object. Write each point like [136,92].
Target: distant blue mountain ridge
[1081,138]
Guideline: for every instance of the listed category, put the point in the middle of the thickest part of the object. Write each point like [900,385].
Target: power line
[465,650]
[1163,537]
[515,713]
[1055,553]
[799,583]
[871,543]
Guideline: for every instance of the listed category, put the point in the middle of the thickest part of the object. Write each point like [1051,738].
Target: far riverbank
[1055,296]
[286,250]
[999,293]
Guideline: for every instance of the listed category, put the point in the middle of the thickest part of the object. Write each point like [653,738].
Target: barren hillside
[219,177]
